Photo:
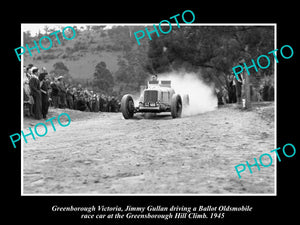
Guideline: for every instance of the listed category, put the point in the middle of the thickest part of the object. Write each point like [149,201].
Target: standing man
[232,89]
[34,85]
[28,99]
[62,92]
[70,97]
[81,104]
[54,93]
[75,97]
[95,103]
[87,99]
[45,97]
[101,103]
[113,105]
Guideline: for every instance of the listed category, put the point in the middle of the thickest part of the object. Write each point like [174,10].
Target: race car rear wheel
[127,106]
[176,106]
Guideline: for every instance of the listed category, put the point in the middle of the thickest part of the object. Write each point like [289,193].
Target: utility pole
[246,85]
[247,95]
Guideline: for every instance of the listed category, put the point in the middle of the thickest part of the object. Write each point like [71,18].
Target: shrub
[80,46]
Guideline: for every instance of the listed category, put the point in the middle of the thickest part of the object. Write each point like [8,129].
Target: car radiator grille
[150,96]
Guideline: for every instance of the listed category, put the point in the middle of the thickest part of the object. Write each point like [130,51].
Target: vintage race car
[156,98]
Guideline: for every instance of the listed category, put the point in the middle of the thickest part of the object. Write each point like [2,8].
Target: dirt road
[101,153]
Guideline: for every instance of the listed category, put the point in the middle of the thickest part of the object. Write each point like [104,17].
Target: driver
[154,77]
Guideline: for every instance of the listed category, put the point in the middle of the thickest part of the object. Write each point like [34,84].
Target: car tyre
[176,106]
[127,106]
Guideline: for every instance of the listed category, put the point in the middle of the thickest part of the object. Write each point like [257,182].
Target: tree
[98,28]
[122,38]
[46,29]
[216,48]
[103,79]
[132,71]
[27,38]
[60,66]
[60,69]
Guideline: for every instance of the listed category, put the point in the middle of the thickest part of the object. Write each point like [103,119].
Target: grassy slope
[84,67]
[81,63]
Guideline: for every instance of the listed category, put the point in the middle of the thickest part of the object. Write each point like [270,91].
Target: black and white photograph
[125,114]
[161,116]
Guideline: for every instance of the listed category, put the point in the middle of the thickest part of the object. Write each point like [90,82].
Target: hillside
[210,52]
[83,67]
[80,55]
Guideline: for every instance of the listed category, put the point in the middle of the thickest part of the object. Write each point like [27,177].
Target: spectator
[232,89]
[75,98]
[70,98]
[113,104]
[271,93]
[81,104]
[225,98]
[219,96]
[266,92]
[34,85]
[39,92]
[28,99]
[105,104]
[258,94]
[101,103]
[44,84]
[87,99]
[95,103]
[108,104]
[55,93]
[62,93]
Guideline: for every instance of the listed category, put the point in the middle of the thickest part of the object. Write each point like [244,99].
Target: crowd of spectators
[42,91]
[233,92]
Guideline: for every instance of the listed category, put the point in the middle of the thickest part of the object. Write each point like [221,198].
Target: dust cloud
[201,96]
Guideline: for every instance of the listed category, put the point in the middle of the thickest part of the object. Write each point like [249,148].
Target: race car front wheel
[127,106]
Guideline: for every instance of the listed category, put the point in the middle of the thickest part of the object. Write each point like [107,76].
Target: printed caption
[155,212]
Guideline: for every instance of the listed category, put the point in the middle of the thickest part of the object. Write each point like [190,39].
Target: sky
[34,28]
